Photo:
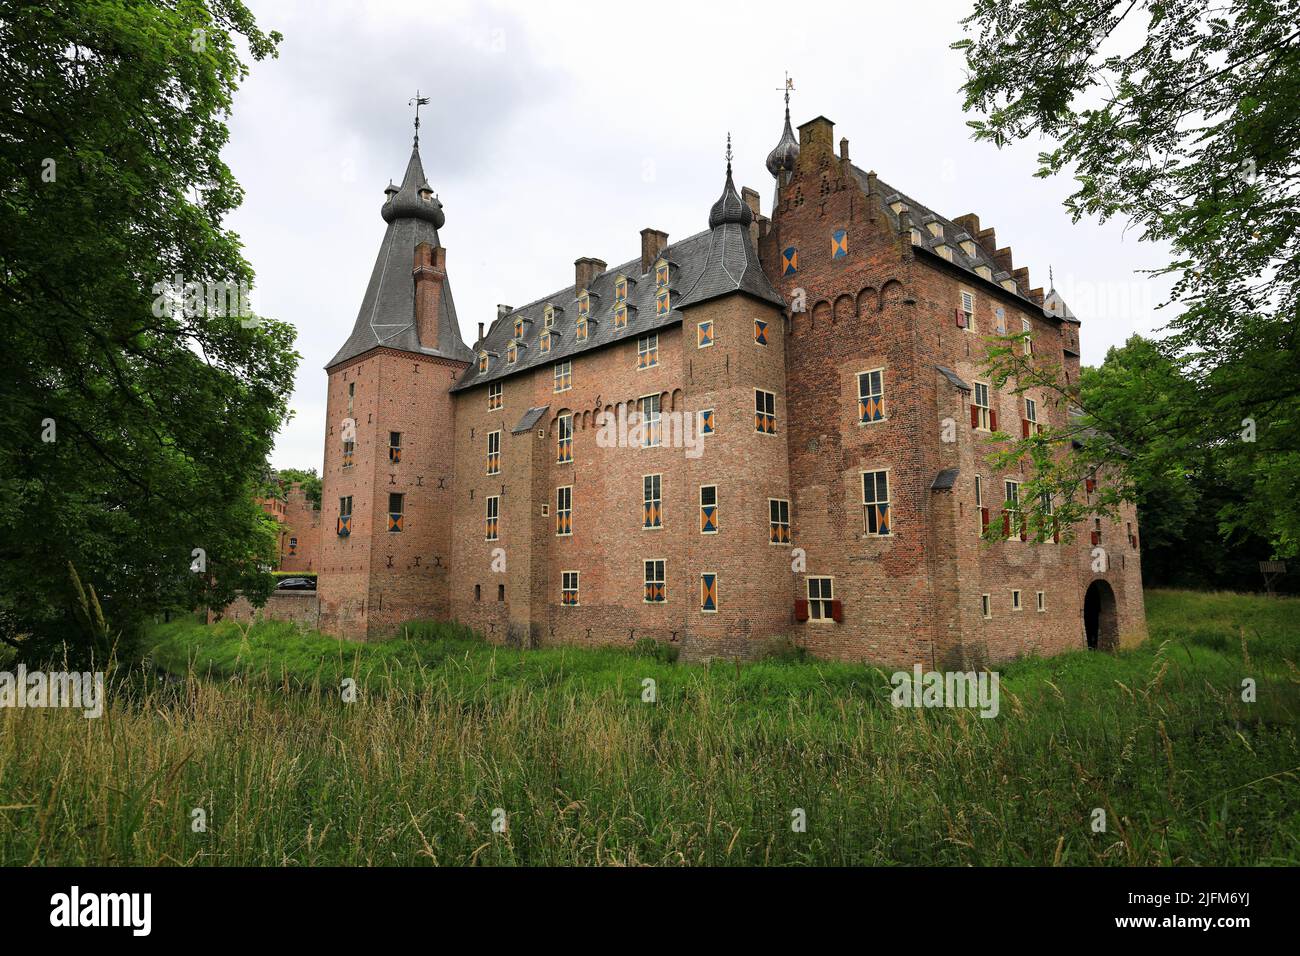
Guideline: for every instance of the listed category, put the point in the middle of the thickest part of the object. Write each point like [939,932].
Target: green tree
[1183,119]
[136,421]
[311,483]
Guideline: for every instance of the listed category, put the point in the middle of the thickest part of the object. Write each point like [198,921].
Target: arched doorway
[1100,622]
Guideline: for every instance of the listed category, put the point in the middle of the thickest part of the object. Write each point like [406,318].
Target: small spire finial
[728,152]
[417,101]
[1051,279]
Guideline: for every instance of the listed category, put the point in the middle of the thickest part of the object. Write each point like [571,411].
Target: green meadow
[435,747]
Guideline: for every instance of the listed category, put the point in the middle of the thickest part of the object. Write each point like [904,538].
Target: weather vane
[789,86]
[418,101]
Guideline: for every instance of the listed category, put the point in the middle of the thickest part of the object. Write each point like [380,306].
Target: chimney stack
[584,270]
[653,243]
[480,333]
[971,223]
[430,271]
[503,310]
[1003,258]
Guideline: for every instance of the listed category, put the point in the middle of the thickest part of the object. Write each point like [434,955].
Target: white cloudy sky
[559,130]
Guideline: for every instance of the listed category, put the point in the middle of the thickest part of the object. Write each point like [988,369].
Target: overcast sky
[560,130]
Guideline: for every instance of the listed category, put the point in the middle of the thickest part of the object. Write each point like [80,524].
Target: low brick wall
[301,607]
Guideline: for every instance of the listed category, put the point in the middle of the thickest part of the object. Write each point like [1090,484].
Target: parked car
[296,584]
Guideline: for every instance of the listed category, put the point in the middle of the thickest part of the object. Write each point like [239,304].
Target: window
[519,327]
[620,315]
[820,595]
[1015,601]
[620,290]
[493,516]
[396,511]
[569,589]
[708,592]
[495,400]
[494,453]
[778,521]
[1030,425]
[986,606]
[564,510]
[482,362]
[704,334]
[512,353]
[501,592]
[647,351]
[1042,600]
[395,447]
[760,332]
[564,439]
[478,592]
[293,546]
[981,415]
[662,304]
[544,341]
[656,591]
[652,501]
[580,329]
[662,274]
[650,420]
[349,448]
[548,317]
[1001,315]
[966,314]
[875,502]
[1011,523]
[345,517]
[979,504]
[764,412]
[563,376]
[871,396]
[1049,514]
[708,509]
[352,394]
[706,421]
[1027,327]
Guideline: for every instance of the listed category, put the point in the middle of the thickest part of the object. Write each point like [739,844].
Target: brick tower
[386,500]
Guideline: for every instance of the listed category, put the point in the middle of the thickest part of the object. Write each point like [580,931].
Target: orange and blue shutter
[708,592]
[706,422]
[708,518]
[760,332]
[839,244]
[789,261]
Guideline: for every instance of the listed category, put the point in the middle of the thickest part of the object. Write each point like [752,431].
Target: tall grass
[447,729]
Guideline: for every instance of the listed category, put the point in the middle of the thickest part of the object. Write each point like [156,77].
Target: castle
[722,440]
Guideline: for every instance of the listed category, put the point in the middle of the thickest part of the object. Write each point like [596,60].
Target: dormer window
[519,327]
[936,229]
[584,304]
[898,206]
[620,315]
[548,316]
[1009,285]
[482,362]
[661,274]
[512,353]
[620,290]
[967,247]
[944,250]
[916,236]
[580,329]
[984,272]
[545,341]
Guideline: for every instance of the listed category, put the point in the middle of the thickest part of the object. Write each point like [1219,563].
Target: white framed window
[1016,605]
[652,502]
[1031,418]
[1042,600]
[492,518]
[564,439]
[876,517]
[1011,509]
[821,595]
[564,511]
[764,412]
[494,453]
[1028,342]
[981,411]
[986,606]
[871,396]
[569,589]
[647,351]
[563,376]
[656,588]
[778,521]
[650,415]
[495,396]
[968,310]
[708,509]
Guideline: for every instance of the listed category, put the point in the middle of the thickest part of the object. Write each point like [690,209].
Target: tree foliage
[134,434]
[1183,119]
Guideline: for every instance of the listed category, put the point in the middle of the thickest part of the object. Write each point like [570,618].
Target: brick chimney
[430,272]
[817,132]
[988,238]
[1003,258]
[584,270]
[653,243]
[970,222]
[1021,276]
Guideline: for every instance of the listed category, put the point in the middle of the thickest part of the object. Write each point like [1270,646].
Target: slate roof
[719,261]
[387,313]
[944,480]
[953,235]
[953,377]
[531,418]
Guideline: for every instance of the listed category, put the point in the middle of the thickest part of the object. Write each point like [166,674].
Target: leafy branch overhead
[1183,120]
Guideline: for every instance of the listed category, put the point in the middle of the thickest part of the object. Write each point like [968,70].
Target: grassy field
[251,727]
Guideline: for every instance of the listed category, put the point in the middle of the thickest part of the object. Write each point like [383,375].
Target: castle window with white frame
[875,503]
[564,439]
[871,396]
[563,376]
[647,351]
[1027,328]
[1016,604]
[492,517]
[652,514]
[764,412]
[981,414]
[821,597]
[967,311]
[650,415]
[778,521]
[569,589]
[564,511]
[708,509]
[495,396]
[656,587]
[494,453]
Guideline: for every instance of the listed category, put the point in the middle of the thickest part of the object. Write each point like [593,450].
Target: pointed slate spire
[387,316]
[782,158]
[730,207]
